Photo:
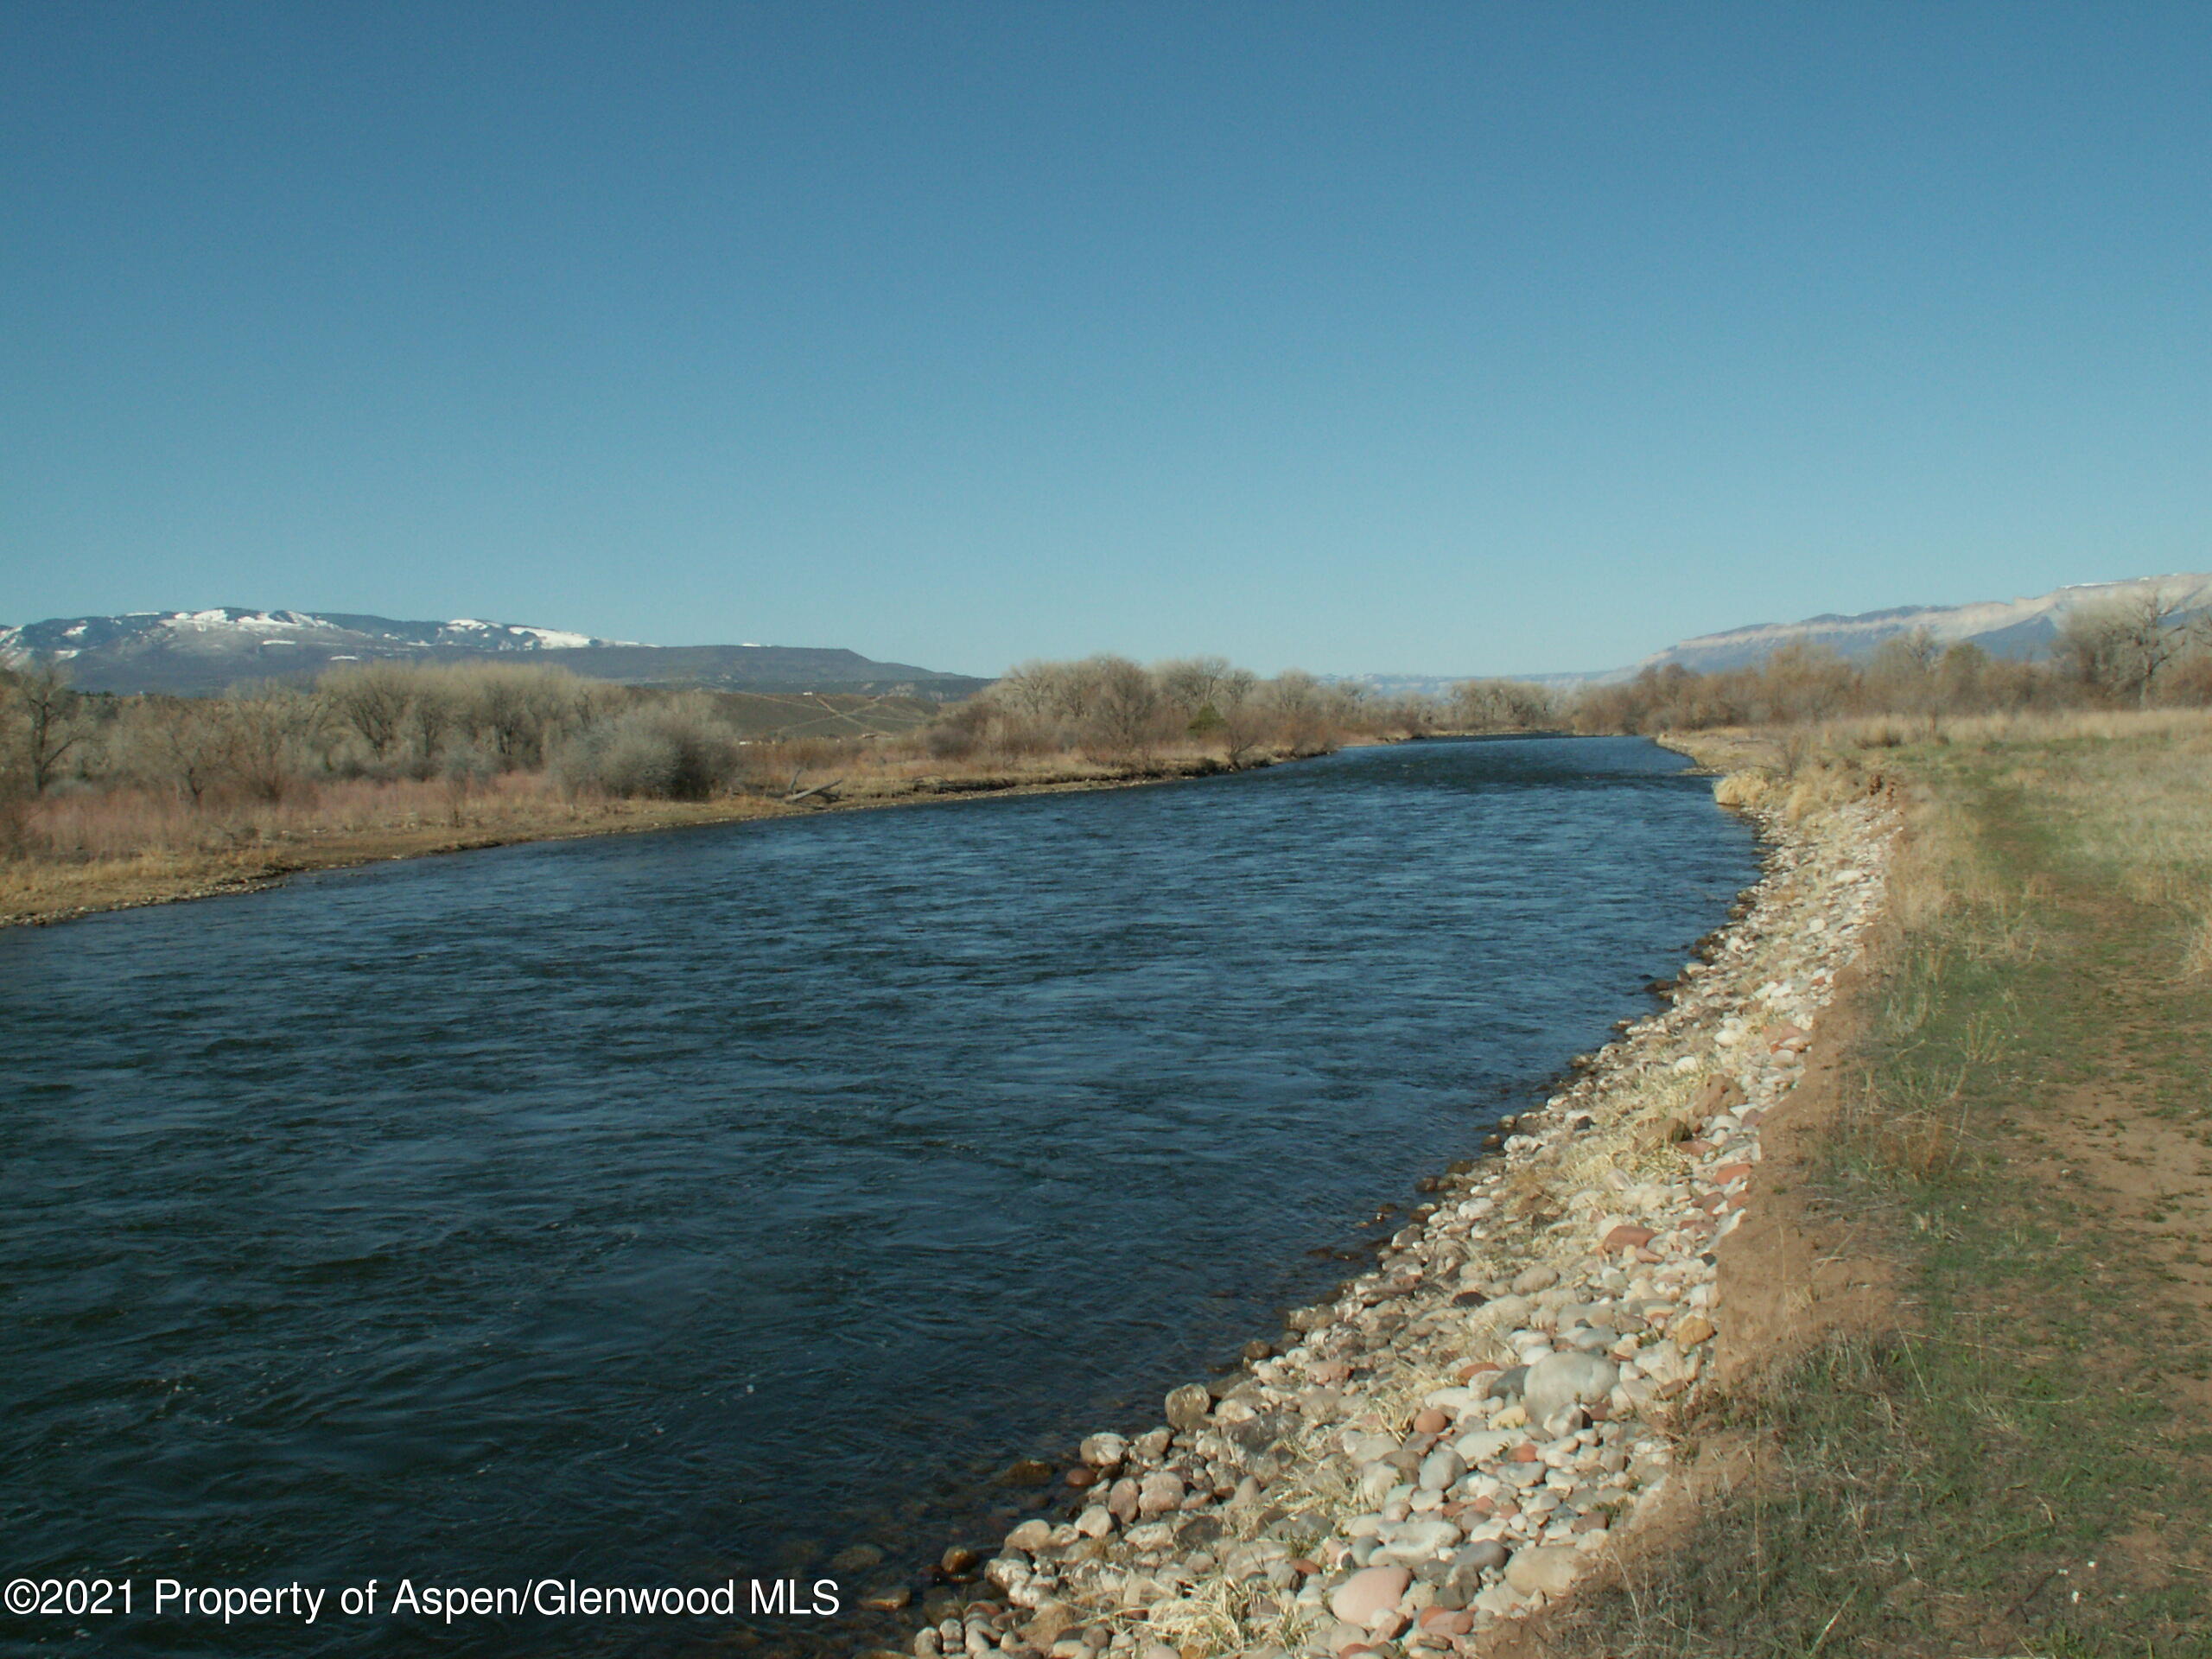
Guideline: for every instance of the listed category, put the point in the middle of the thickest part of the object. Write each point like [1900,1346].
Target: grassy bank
[2013,1458]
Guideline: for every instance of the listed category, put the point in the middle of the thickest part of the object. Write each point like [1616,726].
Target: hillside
[198,651]
[2019,628]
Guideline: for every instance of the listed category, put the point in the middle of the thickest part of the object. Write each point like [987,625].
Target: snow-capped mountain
[209,650]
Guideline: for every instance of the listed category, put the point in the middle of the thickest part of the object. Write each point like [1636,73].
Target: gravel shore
[1472,1425]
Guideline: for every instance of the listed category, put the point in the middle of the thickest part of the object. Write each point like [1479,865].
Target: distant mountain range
[2003,627]
[207,650]
[2020,628]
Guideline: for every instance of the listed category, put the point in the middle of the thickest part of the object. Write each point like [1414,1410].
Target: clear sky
[1447,338]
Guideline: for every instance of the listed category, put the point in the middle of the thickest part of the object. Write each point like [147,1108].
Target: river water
[671,1207]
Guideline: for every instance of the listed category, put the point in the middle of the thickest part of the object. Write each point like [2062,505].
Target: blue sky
[1446,339]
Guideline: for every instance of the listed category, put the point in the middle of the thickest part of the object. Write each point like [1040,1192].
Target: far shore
[39,894]
[45,894]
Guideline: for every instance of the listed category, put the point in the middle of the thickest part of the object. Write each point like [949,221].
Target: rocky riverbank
[1471,1427]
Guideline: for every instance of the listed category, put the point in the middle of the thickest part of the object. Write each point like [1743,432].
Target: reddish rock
[1469,1373]
[1692,1329]
[1330,1372]
[1526,1453]
[1698,1148]
[1429,1421]
[1303,1567]
[1441,1621]
[1628,1236]
[1080,1478]
[1484,1506]
[1728,1172]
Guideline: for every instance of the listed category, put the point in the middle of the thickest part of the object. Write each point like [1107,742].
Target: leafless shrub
[677,751]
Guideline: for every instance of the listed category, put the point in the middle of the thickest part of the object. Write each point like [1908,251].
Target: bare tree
[265,730]
[1501,706]
[1194,684]
[185,740]
[2117,649]
[52,720]
[373,701]
[1127,714]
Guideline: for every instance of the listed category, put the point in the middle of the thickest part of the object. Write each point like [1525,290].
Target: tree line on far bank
[481,726]
[461,727]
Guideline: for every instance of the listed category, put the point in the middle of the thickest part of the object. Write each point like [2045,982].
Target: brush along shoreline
[63,892]
[1479,1421]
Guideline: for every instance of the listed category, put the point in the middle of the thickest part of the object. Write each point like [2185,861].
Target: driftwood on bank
[823,792]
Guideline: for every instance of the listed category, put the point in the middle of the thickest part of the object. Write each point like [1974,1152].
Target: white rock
[1569,1379]
[1482,1446]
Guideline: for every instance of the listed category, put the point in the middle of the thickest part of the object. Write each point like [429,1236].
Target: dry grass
[2020,1470]
[103,850]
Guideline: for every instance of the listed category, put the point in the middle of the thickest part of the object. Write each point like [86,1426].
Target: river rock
[1482,1445]
[1187,1406]
[1546,1570]
[1030,1537]
[1158,1492]
[1564,1379]
[1535,1278]
[1095,1522]
[1370,1595]
[1440,1469]
[1508,1312]
[1484,1555]
[1364,1446]
[1103,1451]
[1416,1541]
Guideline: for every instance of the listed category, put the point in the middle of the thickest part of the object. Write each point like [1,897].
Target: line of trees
[1120,712]
[268,744]
[393,720]
[265,743]
[2133,654]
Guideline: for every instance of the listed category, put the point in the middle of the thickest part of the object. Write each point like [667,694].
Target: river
[705,1203]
